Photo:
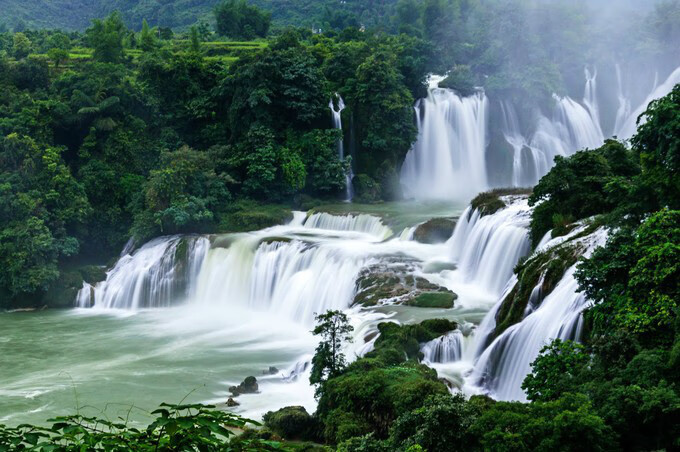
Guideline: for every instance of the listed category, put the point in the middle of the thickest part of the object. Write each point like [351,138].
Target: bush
[291,422]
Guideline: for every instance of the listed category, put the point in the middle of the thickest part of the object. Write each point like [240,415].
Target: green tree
[106,38]
[183,195]
[58,56]
[335,331]
[555,371]
[239,20]
[195,40]
[21,46]
[657,143]
[634,281]
[40,203]
[147,39]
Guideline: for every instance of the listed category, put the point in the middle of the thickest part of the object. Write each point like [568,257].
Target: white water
[628,126]
[368,224]
[444,349]
[152,276]
[447,161]
[504,364]
[337,124]
[487,248]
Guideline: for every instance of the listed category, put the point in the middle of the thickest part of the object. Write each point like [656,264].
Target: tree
[21,46]
[634,281]
[555,371]
[40,202]
[58,56]
[329,360]
[106,37]
[657,143]
[238,20]
[147,39]
[580,186]
[195,40]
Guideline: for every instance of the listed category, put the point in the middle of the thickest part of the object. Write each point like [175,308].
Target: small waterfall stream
[337,124]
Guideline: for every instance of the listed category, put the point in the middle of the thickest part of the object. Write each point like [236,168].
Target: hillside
[77,14]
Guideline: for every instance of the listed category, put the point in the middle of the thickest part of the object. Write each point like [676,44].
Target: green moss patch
[490,202]
[443,300]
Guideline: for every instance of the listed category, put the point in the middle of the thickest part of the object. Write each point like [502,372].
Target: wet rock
[247,386]
[436,230]
[396,283]
[232,403]
[271,371]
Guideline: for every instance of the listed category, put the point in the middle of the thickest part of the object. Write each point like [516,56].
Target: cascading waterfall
[504,364]
[286,278]
[368,224]
[487,248]
[444,349]
[448,159]
[337,124]
[628,127]
[528,163]
[624,110]
[158,274]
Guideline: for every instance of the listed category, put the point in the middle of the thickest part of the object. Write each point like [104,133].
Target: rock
[232,403]
[247,386]
[396,283]
[291,422]
[443,300]
[271,371]
[436,230]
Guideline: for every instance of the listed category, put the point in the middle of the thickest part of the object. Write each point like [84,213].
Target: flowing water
[336,115]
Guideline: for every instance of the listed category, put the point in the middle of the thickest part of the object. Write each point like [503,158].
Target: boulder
[232,403]
[436,230]
[247,386]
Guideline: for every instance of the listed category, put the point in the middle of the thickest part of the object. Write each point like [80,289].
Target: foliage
[634,280]
[40,203]
[335,331]
[553,370]
[106,37]
[239,20]
[580,186]
[181,195]
[291,422]
[176,427]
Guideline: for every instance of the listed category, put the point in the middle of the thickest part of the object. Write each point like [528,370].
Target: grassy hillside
[77,14]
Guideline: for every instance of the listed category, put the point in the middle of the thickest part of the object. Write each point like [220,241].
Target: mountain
[77,14]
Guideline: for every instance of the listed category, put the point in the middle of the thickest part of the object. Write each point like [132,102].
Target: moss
[436,230]
[490,202]
[250,216]
[366,190]
[442,300]
[405,340]
[291,422]
[549,265]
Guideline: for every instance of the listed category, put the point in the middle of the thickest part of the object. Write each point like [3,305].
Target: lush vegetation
[617,390]
[176,427]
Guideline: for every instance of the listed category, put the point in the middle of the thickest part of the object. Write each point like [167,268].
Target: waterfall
[528,162]
[368,224]
[448,159]
[629,125]
[504,364]
[337,124]
[444,349]
[290,279]
[624,110]
[158,274]
[487,248]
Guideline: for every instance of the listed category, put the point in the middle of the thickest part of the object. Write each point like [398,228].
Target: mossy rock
[442,300]
[270,240]
[291,422]
[250,216]
[62,292]
[490,202]
[549,265]
[436,230]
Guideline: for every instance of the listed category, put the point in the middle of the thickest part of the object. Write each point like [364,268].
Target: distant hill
[77,14]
